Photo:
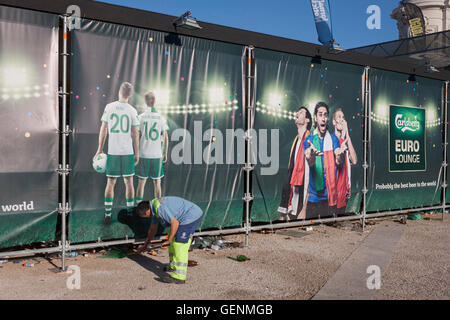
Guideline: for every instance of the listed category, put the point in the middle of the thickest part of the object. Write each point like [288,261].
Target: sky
[284,18]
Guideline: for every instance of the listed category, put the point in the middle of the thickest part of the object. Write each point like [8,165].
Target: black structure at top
[432,48]
[161,22]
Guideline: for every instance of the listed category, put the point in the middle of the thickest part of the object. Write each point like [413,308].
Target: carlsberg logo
[406,124]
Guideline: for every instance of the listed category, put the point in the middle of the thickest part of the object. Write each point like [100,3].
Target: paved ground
[281,267]
[365,266]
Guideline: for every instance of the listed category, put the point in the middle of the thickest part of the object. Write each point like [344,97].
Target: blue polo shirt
[184,211]
[316,196]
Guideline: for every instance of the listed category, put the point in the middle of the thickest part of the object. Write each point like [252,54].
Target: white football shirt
[152,127]
[120,117]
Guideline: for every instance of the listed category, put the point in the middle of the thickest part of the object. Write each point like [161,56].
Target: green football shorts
[120,166]
[152,168]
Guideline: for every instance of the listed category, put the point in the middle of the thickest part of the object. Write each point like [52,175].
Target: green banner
[285,84]
[407,139]
[405,143]
[196,86]
[28,126]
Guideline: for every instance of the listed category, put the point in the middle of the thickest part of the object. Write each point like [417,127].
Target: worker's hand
[141,248]
[165,244]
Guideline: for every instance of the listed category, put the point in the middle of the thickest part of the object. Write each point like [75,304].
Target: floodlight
[316,60]
[187,22]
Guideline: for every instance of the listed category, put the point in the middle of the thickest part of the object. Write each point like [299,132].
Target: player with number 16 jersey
[153,128]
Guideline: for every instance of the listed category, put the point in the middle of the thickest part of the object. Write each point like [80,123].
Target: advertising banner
[322,18]
[406,142]
[28,126]
[406,139]
[175,98]
[309,120]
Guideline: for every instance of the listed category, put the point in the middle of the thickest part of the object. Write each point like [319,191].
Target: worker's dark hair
[142,208]
[308,116]
[321,104]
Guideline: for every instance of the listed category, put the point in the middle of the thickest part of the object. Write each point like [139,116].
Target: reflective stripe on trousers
[178,255]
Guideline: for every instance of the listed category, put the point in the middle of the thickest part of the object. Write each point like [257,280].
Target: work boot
[172,280]
[167,269]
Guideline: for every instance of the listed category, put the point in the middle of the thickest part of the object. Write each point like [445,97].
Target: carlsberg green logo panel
[406,139]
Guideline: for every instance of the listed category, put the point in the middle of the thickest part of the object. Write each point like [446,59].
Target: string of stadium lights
[25,92]
[199,108]
[274,111]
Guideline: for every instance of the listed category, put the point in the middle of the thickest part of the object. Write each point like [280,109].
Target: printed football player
[292,205]
[152,152]
[323,155]
[350,158]
[120,122]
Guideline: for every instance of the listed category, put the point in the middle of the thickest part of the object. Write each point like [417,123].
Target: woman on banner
[350,158]
[323,155]
[292,204]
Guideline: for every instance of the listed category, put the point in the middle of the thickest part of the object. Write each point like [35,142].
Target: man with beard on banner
[292,200]
[350,158]
[183,217]
[323,154]
[120,121]
[152,154]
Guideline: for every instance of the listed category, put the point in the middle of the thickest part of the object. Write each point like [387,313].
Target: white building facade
[436,14]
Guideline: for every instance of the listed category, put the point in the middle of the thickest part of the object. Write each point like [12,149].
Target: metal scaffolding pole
[64,166]
[248,167]
[30,252]
[366,140]
[445,143]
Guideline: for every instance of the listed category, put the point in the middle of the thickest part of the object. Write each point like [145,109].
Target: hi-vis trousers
[179,248]
[178,256]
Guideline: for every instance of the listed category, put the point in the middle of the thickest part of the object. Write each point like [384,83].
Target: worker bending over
[183,217]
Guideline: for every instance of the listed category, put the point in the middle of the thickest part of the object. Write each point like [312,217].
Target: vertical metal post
[444,164]
[249,76]
[366,140]
[64,206]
